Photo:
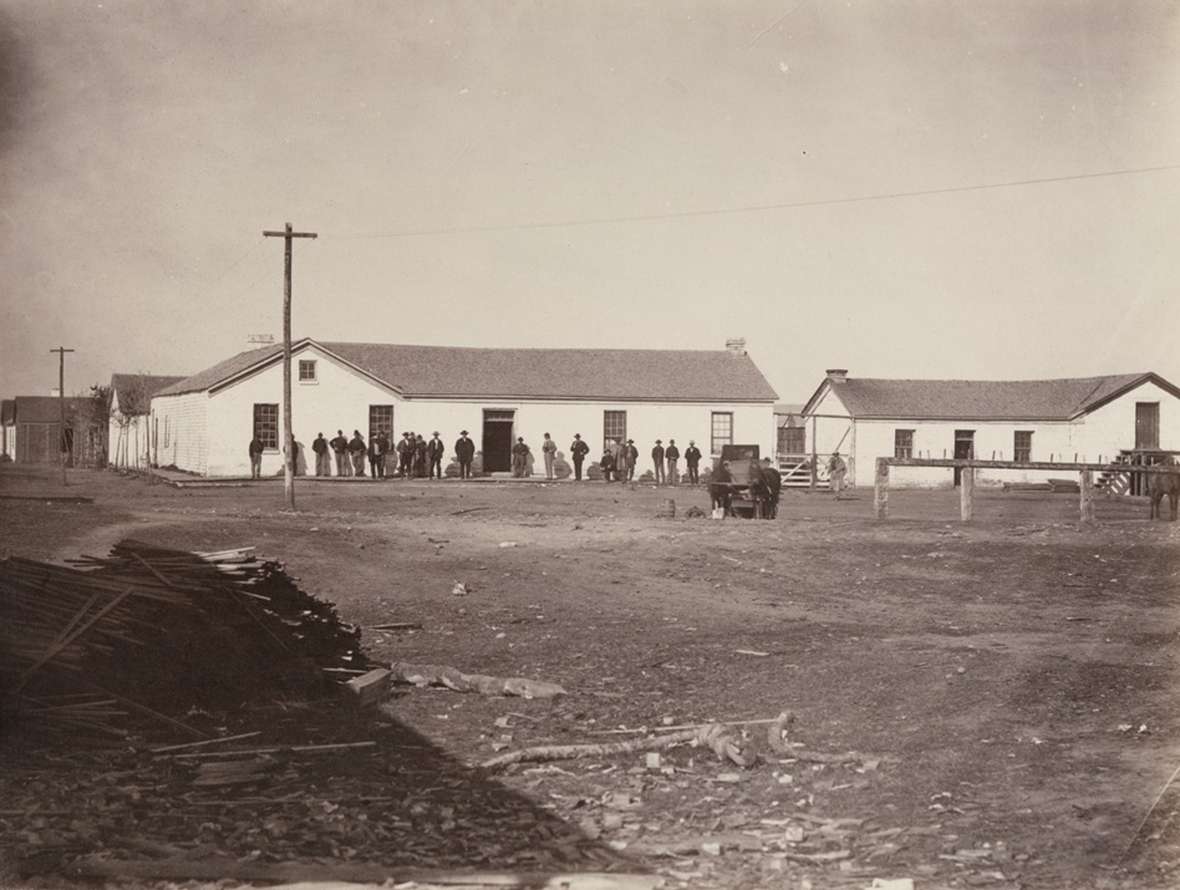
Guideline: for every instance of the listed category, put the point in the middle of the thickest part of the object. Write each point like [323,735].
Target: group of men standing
[619,460]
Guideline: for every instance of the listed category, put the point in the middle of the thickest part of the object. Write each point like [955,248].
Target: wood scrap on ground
[714,736]
[451,678]
[214,869]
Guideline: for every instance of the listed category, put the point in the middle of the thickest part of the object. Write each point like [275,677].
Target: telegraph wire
[748,208]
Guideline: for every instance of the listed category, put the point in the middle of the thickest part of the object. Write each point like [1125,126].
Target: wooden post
[881,489]
[61,405]
[288,430]
[1087,488]
[814,458]
[967,494]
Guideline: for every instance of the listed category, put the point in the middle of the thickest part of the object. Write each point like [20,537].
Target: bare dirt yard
[1007,687]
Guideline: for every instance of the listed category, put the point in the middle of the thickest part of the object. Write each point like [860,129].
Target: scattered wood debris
[451,678]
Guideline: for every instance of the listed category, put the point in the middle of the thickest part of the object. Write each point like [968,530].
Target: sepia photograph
[589,444]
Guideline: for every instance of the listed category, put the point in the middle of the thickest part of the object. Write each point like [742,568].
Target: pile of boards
[150,633]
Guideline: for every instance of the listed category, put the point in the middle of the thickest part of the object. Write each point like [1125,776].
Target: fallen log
[714,736]
[214,869]
[451,678]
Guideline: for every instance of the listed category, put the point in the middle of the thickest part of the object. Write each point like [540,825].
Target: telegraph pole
[61,404]
[288,431]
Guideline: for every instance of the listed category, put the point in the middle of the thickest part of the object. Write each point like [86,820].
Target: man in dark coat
[420,458]
[632,459]
[692,458]
[383,452]
[405,452]
[520,458]
[465,454]
[323,463]
[578,451]
[608,465]
[657,458]
[773,480]
[255,451]
[672,455]
[435,450]
[356,447]
[340,450]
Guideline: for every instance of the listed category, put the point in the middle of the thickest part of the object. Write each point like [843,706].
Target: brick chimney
[736,345]
[837,375]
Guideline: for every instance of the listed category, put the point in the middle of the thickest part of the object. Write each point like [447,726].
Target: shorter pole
[1087,488]
[881,489]
[967,494]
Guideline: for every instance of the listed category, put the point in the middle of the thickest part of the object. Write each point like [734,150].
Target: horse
[720,492]
[1160,484]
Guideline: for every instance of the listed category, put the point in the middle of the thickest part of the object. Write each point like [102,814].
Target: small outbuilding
[39,436]
[130,433]
[204,423]
[1118,417]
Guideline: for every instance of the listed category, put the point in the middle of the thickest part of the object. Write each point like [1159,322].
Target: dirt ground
[1009,683]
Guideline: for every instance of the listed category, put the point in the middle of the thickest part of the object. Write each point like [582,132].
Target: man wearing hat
[339,447]
[692,458]
[548,451]
[520,458]
[631,455]
[464,453]
[579,450]
[435,450]
[657,457]
[672,455]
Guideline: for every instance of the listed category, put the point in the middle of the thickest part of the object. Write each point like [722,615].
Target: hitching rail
[970,465]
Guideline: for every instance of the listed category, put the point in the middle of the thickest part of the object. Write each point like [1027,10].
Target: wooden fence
[969,466]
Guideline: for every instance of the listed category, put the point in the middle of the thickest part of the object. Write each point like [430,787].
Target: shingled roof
[133,392]
[47,409]
[1062,399]
[461,372]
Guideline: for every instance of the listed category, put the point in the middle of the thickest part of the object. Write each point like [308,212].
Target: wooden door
[497,440]
[964,449]
[1147,425]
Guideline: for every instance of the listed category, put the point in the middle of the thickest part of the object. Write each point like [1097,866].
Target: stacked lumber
[155,632]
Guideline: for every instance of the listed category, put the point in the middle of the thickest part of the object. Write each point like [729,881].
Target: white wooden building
[129,436]
[204,423]
[1082,418]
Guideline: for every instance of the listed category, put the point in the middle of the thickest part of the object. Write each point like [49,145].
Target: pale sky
[145,146]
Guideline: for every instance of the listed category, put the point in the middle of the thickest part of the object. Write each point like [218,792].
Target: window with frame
[381,421]
[614,427]
[792,440]
[307,370]
[721,431]
[1022,446]
[266,424]
[903,444]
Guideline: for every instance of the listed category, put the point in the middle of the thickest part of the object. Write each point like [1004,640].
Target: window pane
[1022,449]
[614,427]
[722,430]
[266,424]
[380,421]
[307,369]
[903,443]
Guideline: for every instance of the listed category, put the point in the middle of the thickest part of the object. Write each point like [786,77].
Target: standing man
[465,454]
[383,442]
[578,450]
[404,453]
[773,480]
[672,454]
[692,458]
[657,458]
[632,459]
[548,450]
[323,464]
[434,452]
[255,451]
[419,456]
[356,447]
[374,456]
[340,450]
[520,458]
[837,470]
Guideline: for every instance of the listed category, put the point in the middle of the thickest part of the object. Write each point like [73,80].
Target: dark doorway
[1147,424]
[497,440]
[964,449]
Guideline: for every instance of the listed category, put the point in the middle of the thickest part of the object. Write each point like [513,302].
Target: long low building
[1079,418]
[204,423]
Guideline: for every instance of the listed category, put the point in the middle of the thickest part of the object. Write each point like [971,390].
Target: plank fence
[970,465]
